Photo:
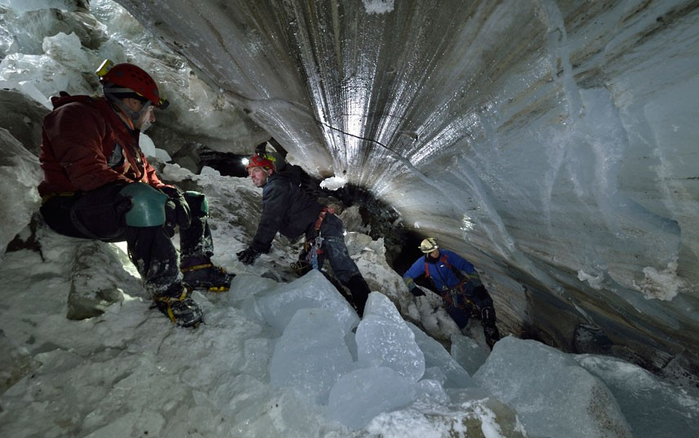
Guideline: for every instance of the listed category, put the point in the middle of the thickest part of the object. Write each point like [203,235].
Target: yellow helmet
[428,245]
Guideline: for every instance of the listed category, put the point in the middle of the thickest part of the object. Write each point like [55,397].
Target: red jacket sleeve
[77,134]
[151,175]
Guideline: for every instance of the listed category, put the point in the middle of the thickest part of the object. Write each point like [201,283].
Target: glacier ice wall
[551,142]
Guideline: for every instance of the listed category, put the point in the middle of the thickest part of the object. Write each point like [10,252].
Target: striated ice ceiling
[553,143]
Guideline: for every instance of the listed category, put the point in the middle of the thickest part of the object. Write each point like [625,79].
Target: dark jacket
[286,209]
[86,145]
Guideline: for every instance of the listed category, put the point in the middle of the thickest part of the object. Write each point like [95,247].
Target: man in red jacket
[99,185]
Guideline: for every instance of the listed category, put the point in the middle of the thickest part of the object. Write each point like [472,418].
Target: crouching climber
[457,281]
[98,185]
[287,209]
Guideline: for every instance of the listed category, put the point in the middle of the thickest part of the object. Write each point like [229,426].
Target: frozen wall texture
[554,143]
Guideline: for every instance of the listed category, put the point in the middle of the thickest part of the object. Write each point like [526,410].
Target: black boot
[360,292]
[180,308]
[490,330]
[207,276]
[492,335]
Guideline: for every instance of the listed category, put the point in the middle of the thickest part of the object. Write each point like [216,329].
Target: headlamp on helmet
[428,245]
[265,161]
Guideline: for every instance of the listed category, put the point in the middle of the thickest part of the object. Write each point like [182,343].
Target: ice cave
[547,141]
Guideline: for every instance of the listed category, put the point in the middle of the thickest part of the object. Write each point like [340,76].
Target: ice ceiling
[554,143]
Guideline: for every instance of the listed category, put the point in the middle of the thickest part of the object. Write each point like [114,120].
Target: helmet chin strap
[135,116]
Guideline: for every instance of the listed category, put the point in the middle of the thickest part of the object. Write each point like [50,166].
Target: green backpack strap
[198,203]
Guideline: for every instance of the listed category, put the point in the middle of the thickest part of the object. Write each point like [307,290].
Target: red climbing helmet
[132,78]
[258,160]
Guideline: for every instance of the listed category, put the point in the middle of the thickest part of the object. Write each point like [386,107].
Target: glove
[248,256]
[412,287]
[176,208]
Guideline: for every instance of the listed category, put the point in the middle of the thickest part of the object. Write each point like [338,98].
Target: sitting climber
[287,209]
[98,185]
[458,283]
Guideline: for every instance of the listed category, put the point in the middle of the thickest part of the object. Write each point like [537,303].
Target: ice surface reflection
[562,128]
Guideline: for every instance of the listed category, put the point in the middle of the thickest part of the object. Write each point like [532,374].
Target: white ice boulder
[385,340]
[20,174]
[655,408]
[311,354]
[455,376]
[552,394]
[313,290]
[360,395]
[468,353]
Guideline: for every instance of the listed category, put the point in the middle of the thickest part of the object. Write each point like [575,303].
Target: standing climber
[287,209]
[99,185]
[457,281]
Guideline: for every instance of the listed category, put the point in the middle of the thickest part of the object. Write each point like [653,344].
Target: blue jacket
[441,275]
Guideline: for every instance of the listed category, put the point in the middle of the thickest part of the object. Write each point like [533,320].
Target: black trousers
[334,249]
[459,306]
[99,215]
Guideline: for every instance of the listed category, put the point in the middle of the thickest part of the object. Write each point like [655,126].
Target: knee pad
[147,205]
[198,203]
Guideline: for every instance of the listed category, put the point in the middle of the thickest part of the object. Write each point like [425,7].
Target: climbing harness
[315,245]
[321,218]
[457,298]
[312,248]
[316,251]
[460,290]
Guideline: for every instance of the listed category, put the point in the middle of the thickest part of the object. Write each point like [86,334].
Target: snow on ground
[257,367]
[130,372]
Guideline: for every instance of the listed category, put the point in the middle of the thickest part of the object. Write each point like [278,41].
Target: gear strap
[221,288]
[313,246]
[313,249]
[321,217]
[457,298]
[460,275]
[168,299]
[316,251]
[195,267]
[45,198]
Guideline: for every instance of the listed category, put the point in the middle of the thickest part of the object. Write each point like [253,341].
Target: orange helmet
[260,161]
[131,78]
